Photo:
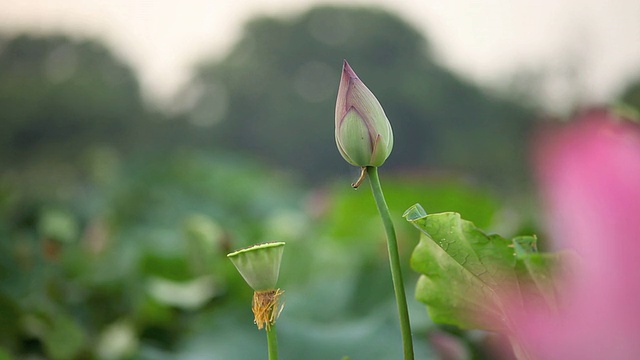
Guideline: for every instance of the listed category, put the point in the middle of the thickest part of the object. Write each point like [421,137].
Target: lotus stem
[394,262]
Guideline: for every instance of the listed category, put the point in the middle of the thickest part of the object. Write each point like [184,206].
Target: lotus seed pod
[259,265]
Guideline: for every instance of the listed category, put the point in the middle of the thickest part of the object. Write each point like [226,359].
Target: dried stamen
[266,308]
[363,174]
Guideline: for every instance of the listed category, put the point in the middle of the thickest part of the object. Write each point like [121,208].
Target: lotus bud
[363,132]
[259,265]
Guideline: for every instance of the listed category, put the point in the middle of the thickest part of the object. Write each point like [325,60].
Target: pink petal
[589,173]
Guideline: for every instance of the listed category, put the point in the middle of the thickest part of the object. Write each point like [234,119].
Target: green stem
[394,262]
[272,342]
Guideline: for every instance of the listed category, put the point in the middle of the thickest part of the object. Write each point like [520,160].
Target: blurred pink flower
[589,172]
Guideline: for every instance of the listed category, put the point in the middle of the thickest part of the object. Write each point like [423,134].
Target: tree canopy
[273,96]
[59,95]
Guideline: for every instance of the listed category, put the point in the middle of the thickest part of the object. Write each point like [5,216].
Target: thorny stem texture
[394,262]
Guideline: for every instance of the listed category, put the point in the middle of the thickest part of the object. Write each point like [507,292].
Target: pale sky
[486,40]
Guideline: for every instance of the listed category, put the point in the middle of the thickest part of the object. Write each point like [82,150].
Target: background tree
[631,95]
[273,96]
[59,96]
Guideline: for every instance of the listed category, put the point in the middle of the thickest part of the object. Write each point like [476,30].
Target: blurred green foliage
[144,274]
[115,218]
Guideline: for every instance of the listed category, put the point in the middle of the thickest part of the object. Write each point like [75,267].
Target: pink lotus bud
[363,132]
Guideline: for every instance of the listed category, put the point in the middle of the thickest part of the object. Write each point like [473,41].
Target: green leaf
[536,271]
[468,275]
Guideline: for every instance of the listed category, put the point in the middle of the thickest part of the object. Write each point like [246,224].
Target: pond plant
[364,138]
[579,302]
[259,265]
[576,303]
[590,175]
